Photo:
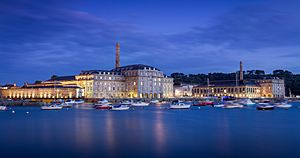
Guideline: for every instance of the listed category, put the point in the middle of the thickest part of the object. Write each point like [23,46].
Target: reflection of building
[131,81]
[183,91]
[43,90]
[270,88]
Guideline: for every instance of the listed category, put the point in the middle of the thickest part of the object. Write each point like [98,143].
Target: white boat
[120,107]
[103,101]
[139,103]
[3,108]
[218,105]
[80,101]
[154,101]
[248,102]
[51,107]
[126,102]
[283,105]
[265,106]
[179,105]
[232,105]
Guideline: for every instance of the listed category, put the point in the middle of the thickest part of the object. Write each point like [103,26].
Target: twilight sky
[39,38]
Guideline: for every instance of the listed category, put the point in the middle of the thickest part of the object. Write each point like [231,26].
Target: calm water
[150,132]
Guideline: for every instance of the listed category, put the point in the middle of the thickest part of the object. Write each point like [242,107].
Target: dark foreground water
[150,132]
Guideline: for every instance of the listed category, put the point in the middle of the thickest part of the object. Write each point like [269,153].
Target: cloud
[65,41]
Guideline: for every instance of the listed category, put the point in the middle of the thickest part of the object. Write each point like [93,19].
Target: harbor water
[153,131]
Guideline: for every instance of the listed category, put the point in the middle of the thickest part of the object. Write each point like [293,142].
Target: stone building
[272,88]
[183,90]
[131,81]
[43,90]
[240,88]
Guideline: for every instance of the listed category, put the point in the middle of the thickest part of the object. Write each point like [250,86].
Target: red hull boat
[204,103]
[103,107]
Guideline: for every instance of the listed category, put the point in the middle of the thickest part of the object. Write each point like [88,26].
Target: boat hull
[3,108]
[180,106]
[102,107]
[265,107]
[139,104]
[51,108]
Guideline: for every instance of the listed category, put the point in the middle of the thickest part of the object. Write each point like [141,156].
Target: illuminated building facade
[267,88]
[242,89]
[43,90]
[183,91]
[131,81]
[272,88]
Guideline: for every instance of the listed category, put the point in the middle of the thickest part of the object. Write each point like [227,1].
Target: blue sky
[42,38]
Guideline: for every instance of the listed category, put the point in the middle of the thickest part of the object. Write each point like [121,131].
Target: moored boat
[218,105]
[203,103]
[179,105]
[154,101]
[283,105]
[3,108]
[103,101]
[140,103]
[51,107]
[126,102]
[232,105]
[265,106]
[120,107]
[103,106]
[248,102]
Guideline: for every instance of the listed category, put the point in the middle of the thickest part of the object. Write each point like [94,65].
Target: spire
[241,71]
[117,55]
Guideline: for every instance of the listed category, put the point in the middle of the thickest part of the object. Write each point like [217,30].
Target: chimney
[241,71]
[117,55]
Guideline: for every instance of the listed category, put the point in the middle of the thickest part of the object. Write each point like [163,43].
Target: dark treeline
[292,81]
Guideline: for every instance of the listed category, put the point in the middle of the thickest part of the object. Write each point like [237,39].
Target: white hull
[154,101]
[51,107]
[248,102]
[284,106]
[140,104]
[233,106]
[219,105]
[120,108]
[3,108]
[180,106]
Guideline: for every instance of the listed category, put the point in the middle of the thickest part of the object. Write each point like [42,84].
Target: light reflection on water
[150,132]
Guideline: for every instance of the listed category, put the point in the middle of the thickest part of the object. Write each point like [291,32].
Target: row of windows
[225,90]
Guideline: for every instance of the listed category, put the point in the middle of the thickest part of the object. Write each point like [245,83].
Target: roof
[88,72]
[134,67]
[62,78]
[51,86]
[230,83]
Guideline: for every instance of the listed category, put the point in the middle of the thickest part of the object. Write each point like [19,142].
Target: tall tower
[241,71]
[117,55]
